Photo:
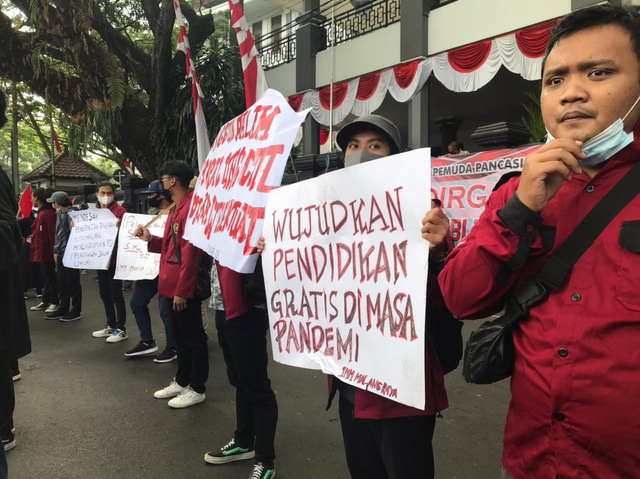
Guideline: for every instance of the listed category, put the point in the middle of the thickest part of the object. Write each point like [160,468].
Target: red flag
[25,202]
[55,140]
[255,82]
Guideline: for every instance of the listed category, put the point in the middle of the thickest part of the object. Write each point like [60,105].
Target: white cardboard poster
[246,161]
[92,239]
[134,261]
[345,269]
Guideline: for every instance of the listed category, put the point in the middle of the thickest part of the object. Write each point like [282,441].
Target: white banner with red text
[246,161]
[464,183]
[345,269]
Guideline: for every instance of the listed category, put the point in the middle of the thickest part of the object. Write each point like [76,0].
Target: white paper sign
[134,261]
[91,241]
[246,161]
[345,269]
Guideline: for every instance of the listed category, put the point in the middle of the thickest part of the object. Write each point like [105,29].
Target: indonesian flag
[25,202]
[202,135]
[255,83]
[55,140]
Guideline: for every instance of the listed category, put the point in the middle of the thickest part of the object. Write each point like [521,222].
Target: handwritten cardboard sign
[345,269]
[246,161]
[92,239]
[134,261]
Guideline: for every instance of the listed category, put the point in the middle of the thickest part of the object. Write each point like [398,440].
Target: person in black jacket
[14,340]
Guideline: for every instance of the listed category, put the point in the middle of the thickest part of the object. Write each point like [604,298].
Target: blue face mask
[607,143]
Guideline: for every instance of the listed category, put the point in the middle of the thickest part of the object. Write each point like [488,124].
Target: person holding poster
[575,382]
[44,232]
[144,291]
[110,288]
[69,286]
[179,264]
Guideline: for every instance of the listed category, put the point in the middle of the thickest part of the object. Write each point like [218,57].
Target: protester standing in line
[42,240]
[14,340]
[31,275]
[111,289]
[179,264]
[145,290]
[575,386]
[69,287]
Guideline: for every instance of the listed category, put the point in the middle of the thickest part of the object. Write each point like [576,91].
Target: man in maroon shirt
[575,385]
[42,240]
[177,288]
[111,289]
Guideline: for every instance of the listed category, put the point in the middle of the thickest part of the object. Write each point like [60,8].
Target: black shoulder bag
[203,281]
[489,353]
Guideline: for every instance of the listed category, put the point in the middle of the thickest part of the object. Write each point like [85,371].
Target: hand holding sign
[92,239]
[435,228]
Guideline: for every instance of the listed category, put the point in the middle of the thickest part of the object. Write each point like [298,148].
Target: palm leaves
[533,118]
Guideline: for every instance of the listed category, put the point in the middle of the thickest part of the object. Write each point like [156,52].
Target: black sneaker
[261,471]
[55,315]
[9,442]
[166,356]
[142,349]
[229,453]
[67,318]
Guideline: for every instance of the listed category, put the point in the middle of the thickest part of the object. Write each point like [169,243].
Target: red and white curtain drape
[464,69]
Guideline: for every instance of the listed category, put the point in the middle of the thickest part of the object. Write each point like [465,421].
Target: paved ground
[85,411]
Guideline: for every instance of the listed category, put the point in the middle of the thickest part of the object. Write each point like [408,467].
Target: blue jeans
[143,293]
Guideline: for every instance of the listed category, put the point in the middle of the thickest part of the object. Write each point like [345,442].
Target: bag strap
[176,250]
[580,240]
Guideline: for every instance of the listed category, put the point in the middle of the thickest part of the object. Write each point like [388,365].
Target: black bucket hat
[374,122]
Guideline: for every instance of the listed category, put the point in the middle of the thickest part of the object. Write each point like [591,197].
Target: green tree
[112,69]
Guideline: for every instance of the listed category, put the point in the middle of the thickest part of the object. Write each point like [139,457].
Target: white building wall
[468,21]
[283,78]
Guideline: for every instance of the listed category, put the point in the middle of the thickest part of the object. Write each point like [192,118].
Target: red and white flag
[255,82]
[202,135]
[56,141]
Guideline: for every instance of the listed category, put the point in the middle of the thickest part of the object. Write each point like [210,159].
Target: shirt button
[590,189]
[563,352]
[576,297]
[530,229]
[559,416]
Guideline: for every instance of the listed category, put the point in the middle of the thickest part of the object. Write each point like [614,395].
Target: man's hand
[55,258]
[72,224]
[546,169]
[143,233]
[435,228]
[179,304]
[261,244]
[118,223]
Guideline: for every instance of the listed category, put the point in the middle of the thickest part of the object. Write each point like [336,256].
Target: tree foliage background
[112,71]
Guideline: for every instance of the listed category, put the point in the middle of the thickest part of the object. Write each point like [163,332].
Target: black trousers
[387,448]
[111,295]
[50,283]
[7,398]
[69,288]
[191,342]
[244,346]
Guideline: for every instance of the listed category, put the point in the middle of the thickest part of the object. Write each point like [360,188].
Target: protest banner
[246,161]
[134,261]
[91,241]
[464,184]
[345,269]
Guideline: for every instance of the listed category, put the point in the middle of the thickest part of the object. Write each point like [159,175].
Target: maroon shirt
[576,382]
[44,235]
[175,279]
[118,211]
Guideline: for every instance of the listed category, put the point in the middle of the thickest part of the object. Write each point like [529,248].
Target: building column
[418,134]
[308,43]
[449,127]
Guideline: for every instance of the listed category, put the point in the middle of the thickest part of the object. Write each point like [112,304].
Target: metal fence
[277,50]
[360,21]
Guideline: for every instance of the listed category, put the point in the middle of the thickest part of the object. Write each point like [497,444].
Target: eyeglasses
[162,180]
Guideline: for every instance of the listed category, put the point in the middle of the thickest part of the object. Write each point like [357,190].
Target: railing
[275,50]
[360,21]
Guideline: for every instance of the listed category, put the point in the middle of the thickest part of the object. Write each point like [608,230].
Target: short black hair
[454,143]
[181,170]
[437,202]
[106,183]
[3,109]
[42,195]
[626,17]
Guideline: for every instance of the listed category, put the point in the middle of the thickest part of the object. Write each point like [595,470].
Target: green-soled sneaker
[260,471]
[230,453]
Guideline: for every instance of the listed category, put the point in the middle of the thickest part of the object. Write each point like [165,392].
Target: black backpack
[445,332]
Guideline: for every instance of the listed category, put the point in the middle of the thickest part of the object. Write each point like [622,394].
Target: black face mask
[154,202]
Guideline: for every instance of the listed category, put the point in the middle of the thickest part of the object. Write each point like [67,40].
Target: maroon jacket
[118,211]
[177,279]
[368,405]
[44,235]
